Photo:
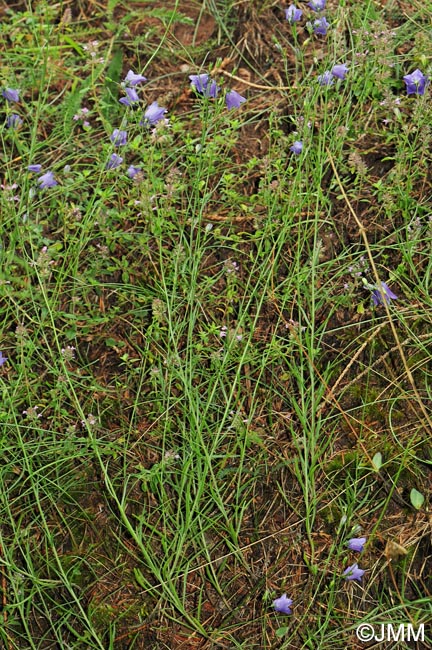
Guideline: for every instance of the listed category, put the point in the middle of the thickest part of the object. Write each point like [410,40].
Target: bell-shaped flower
[293,14]
[416,82]
[204,85]
[283,604]
[133,79]
[233,99]
[153,115]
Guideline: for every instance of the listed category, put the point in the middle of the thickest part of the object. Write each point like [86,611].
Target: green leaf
[70,41]
[112,80]
[377,461]
[111,6]
[281,631]
[140,578]
[416,498]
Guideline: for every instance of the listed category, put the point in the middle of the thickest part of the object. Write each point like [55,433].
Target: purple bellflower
[118,138]
[388,295]
[293,14]
[133,79]
[353,573]
[13,121]
[339,71]
[153,115]
[35,168]
[2,359]
[416,82]
[47,180]
[11,95]
[204,85]
[233,99]
[317,5]
[114,161]
[132,171]
[326,79]
[132,97]
[320,26]
[283,604]
[297,147]
[357,544]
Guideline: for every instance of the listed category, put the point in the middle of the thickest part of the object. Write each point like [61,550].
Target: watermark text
[390,632]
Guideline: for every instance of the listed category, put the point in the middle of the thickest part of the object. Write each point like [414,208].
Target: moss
[101,615]
[343,466]
[331,514]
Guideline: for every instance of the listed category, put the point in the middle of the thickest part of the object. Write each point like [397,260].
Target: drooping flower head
[339,71]
[132,171]
[357,544]
[118,138]
[293,14]
[233,99]
[11,95]
[132,97]
[153,115]
[13,121]
[133,79]
[317,5]
[416,82]
[387,292]
[204,85]
[326,79]
[320,26]
[353,573]
[114,161]
[35,168]
[283,604]
[2,359]
[297,147]
[47,180]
